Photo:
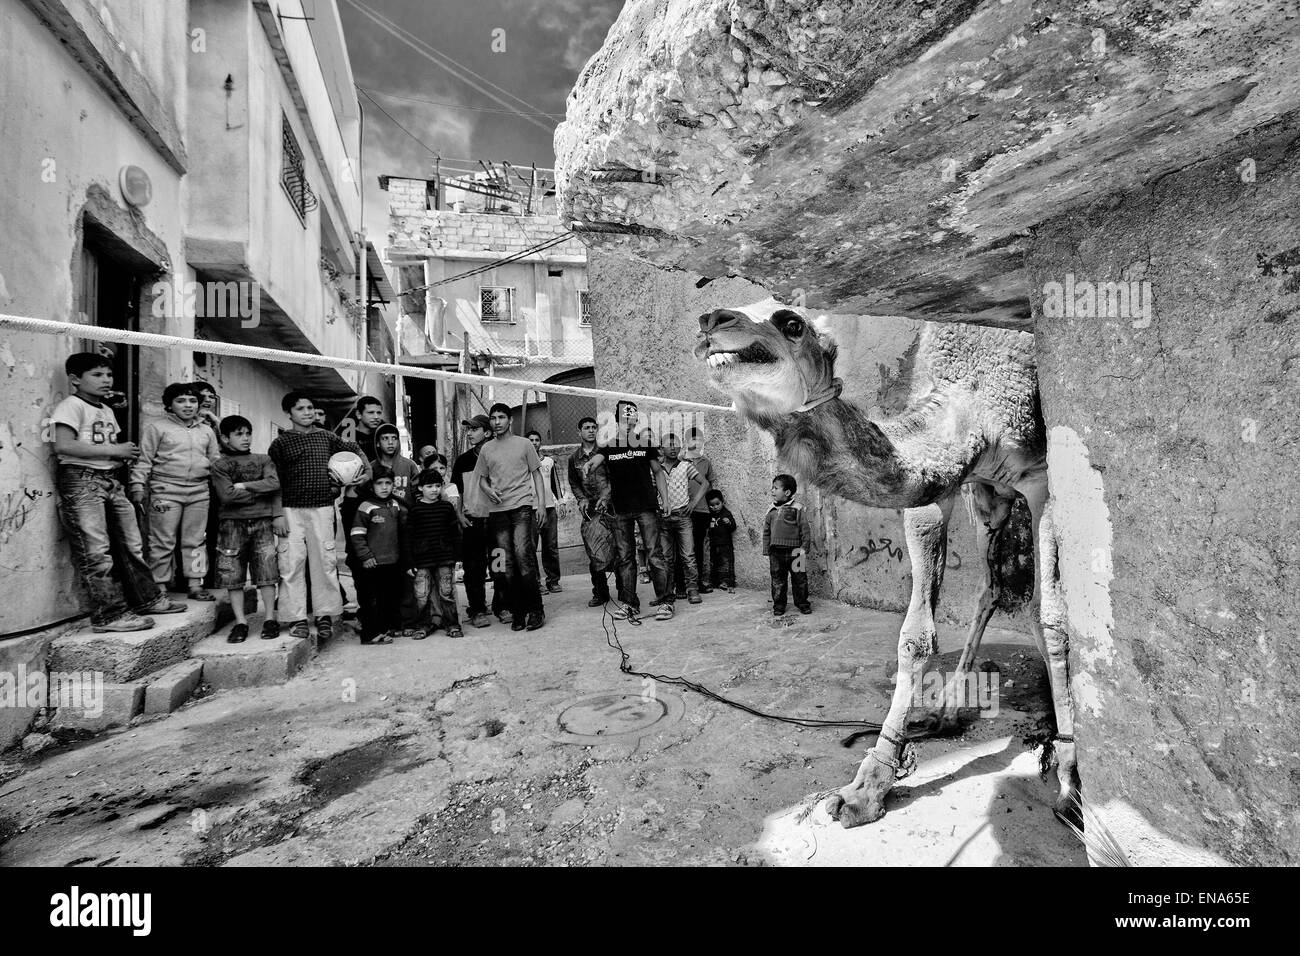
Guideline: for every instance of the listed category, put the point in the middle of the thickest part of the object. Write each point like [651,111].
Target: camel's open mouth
[755,353]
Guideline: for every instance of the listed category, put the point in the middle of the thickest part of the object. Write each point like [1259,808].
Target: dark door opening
[110,298]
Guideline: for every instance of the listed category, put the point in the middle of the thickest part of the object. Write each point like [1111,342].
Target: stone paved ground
[438,752]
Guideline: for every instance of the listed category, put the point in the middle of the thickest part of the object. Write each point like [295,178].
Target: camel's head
[769,357]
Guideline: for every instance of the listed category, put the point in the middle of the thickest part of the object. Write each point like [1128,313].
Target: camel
[972,419]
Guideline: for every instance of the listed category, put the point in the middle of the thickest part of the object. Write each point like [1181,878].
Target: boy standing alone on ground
[549,532]
[785,544]
[704,480]
[93,506]
[509,475]
[307,552]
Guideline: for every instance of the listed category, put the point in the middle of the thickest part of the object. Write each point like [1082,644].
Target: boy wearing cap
[474,542]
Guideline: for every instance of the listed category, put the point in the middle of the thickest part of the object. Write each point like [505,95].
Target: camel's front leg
[863,801]
[1048,619]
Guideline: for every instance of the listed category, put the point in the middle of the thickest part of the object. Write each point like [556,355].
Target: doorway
[109,297]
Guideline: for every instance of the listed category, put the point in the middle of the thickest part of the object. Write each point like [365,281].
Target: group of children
[277,516]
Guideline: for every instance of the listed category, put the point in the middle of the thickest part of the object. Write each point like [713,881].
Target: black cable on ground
[865,727]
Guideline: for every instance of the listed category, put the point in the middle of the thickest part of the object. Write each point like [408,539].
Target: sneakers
[729,588]
[164,605]
[626,612]
[481,620]
[598,602]
[505,617]
[706,590]
[127,622]
[455,631]
[554,588]
[644,577]
[324,628]
[298,629]
[517,625]
[238,634]
[536,620]
[778,611]
[695,598]
[805,608]
[200,594]
[665,612]
[271,630]
[680,595]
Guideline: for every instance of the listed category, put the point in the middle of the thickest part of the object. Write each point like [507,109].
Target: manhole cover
[613,715]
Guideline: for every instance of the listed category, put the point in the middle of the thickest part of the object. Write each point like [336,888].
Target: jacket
[260,496]
[173,451]
[786,527]
[379,530]
[721,526]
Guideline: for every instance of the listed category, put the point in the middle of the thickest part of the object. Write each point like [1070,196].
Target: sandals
[381,639]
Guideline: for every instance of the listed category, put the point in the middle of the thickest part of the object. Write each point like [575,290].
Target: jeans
[476,542]
[700,530]
[721,561]
[549,535]
[379,590]
[679,549]
[514,560]
[435,595]
[781,562]
[101,526]
[625,528]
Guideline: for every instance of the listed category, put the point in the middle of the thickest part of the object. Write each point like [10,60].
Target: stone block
[116,705]
[127,657]
[172,686]
[254,663]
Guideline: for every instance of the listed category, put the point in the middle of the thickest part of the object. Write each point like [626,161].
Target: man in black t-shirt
[636,481]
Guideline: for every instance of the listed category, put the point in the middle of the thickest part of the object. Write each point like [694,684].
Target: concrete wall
[645,321]
[61,136]
[1173,463]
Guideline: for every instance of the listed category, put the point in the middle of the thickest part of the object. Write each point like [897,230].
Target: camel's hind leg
[1048,620]
[863,801]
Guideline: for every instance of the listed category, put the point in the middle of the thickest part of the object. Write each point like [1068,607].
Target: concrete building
[526,319]
[153,151]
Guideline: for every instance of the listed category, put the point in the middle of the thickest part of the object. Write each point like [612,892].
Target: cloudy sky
[449,71]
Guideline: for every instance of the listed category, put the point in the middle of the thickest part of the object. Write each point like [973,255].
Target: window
[293,173]
[584,308]
[497,303]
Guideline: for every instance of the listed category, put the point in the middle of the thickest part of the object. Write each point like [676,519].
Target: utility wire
[488,266]
[457,106]
[436,57]
[393,25]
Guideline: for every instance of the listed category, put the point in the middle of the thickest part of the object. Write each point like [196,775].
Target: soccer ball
[346,467]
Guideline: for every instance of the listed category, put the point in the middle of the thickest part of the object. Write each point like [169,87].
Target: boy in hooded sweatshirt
[176,455]
[785,543]
[379,536]
[388,444]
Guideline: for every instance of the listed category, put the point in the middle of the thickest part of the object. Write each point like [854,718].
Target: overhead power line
[457,106]
[441,60]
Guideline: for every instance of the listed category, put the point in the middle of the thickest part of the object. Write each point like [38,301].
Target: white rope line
[129,337]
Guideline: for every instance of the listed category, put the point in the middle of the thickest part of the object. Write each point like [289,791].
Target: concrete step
[255,662]
[100,708]
[123,658]
[172,686]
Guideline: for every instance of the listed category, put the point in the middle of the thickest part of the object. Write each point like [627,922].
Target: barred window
[584,308]
[293,174]
[497,303]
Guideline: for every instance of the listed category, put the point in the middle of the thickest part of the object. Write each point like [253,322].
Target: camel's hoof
[851,815]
